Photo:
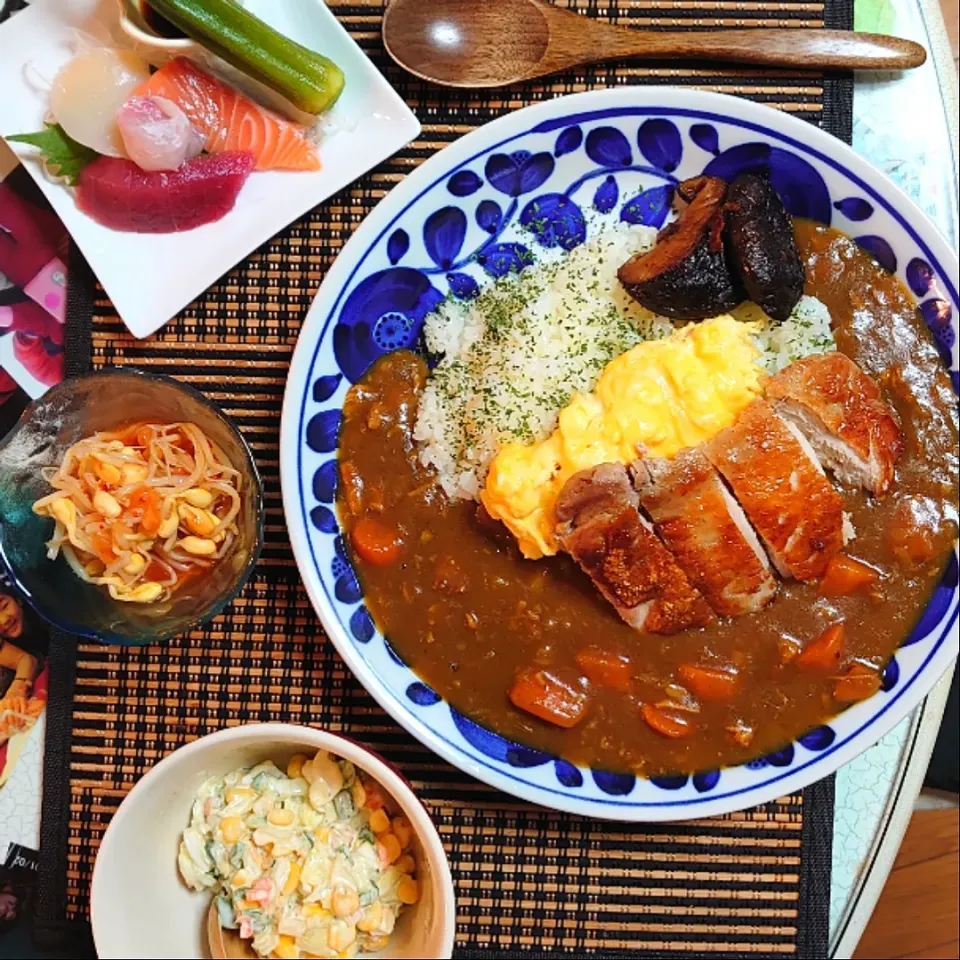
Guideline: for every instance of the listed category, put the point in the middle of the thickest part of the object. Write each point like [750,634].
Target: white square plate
[150,277]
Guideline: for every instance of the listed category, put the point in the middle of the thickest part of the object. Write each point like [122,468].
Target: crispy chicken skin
[841,412]
[601,528]
[782,490]
[706,531]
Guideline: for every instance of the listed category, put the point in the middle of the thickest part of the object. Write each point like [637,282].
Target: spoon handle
[575,39]
[804,48]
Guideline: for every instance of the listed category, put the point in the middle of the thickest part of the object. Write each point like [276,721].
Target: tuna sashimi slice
[230,121]
[118,194]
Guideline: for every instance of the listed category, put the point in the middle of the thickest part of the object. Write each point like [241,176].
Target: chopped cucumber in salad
[305,862]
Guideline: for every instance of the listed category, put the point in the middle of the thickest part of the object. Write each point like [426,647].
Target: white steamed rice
[512,358]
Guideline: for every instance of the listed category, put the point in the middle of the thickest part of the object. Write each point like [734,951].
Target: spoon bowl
[463,44]
[478,43]
[225,944]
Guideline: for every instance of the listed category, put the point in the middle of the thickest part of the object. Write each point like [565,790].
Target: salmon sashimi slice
[229,120]
[841,411]
[706,530]
[782,489]
[601,528]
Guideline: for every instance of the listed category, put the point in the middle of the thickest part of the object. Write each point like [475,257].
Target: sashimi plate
[150,277]
[457,221]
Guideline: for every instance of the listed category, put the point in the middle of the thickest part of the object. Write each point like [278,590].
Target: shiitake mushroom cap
[686,276]
[729,244]
[762,248]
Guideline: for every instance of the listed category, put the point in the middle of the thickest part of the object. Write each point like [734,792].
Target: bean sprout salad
[142,510]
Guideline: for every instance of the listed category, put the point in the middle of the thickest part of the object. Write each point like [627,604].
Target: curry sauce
[451,591]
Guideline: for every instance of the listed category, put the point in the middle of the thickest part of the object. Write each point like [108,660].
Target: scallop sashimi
[157,134]
[230,121]
[118,194]
[88,91]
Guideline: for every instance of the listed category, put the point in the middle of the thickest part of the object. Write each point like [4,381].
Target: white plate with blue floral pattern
[460,218]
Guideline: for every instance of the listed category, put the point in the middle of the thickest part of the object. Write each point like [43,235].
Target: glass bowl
[76,409]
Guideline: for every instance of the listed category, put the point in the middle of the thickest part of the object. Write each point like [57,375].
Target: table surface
[924,881]
[906,125]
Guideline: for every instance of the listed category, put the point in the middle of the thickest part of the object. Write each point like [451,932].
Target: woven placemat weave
[530,882]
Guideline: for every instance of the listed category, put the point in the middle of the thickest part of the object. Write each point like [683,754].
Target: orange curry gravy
[467,612]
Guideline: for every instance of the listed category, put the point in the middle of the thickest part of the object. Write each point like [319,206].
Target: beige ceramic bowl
[140,908]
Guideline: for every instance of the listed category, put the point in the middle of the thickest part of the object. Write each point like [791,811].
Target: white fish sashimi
[157,134]
[88,91]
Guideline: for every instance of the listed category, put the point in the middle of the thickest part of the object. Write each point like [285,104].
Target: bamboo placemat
[529,881]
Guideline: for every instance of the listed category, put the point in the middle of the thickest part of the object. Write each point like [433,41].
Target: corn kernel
[372,915]
[293,879]
[94,567]
[64,511]
[280,817]
[327,769]
[136,564]
[197,546]
[406,864]
[106,505]
[240,879]
[231,828]
[344,901]
[359,794]
[408,890]
[200,522]
[322,834]
[376,943]
[133,473]
[295,766]
[108,473]
[198,497]
[388,848]
[316,910]
[235,793]
[403,830]
[286,948]
[379,821]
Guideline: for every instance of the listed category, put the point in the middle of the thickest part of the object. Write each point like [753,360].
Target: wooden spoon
[225,944]
[491,43]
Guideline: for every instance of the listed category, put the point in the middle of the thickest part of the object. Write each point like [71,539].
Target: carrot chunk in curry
[668,724]
[376,543]
[710,683]
[911,532]
[549,697]
[845,575]
[858,683]
[605,669]
[825,650]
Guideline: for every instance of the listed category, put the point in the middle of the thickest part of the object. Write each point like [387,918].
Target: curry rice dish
[706,605]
